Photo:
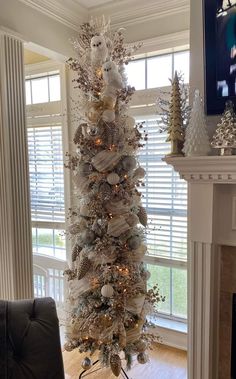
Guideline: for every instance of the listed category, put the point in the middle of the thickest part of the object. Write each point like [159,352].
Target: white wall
[36,27]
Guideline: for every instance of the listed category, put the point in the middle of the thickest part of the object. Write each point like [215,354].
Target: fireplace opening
[233,346]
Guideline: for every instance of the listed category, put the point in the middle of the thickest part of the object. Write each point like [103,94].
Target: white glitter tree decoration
[196,138]
[225,134]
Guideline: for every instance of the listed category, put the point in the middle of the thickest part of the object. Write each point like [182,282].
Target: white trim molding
[211,190]
[15,228]
[71,15]
[127,13]
[132,12]
[211,169]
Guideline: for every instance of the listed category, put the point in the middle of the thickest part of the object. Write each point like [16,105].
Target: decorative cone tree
[196,137]
[108,293]
[175,129]
[225,134]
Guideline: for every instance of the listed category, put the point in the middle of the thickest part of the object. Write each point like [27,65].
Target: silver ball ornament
[86,363]
[142,358]
[134,242]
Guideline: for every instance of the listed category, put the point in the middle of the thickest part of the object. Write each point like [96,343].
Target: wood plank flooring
[165,363]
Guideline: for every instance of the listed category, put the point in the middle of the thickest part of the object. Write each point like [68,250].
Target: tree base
[94,364]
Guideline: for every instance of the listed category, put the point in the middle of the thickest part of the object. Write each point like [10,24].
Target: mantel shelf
[215,169]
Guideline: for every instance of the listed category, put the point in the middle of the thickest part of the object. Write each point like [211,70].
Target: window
[164,193]
[45,150]
[43,88]
[155,72]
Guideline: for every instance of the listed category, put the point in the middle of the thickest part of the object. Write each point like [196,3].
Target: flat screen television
[220,54]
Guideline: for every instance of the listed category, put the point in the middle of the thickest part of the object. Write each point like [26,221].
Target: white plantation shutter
[46,174]
[164,197]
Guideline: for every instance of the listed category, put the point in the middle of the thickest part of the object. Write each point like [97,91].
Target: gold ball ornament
[142,358]
[94,111]
[113,178]
[107,290]
[86,363]
[109,102]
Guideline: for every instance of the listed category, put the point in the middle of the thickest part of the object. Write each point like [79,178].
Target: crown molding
[126,13]
[167,41]
[132,12]
[68,12]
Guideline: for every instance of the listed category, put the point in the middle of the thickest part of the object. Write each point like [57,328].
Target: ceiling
[30,57]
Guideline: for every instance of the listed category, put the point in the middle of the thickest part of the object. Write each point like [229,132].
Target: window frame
[57,114]
[145,111]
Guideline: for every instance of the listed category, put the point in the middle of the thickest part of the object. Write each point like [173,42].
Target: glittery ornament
[88,236]
[115,363]
[142,358]
[107,290]
[74,228]
[75,252]
[139,173]
[83,267]
[113,178]
[128,163]
[142,215]
[105,190]
[93,131]
[132,219]
[86,363]
[134,242]
[69,346]
[85,168]
[141,346]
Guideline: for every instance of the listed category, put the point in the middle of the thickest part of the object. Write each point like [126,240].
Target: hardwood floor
[165,363]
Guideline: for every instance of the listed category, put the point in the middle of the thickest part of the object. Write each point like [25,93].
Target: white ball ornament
[130,121]
[113,178]
[107,290]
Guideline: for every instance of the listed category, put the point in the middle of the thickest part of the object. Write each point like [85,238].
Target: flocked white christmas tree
[196,137]
[108,295]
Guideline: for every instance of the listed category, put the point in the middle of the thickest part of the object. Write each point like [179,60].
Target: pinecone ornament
[142,215]
[75,252]
[115,363]
[83,267]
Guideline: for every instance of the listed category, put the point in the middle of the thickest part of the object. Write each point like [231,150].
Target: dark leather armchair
[29,340]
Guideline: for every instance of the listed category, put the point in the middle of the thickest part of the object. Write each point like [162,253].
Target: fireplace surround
[212,247]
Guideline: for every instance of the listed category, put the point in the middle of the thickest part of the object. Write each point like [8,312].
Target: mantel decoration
[108,293]
[174,110]
[224,138]
[196,138]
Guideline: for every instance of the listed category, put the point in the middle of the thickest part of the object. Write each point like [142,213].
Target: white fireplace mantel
[214,169]
[211,224]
